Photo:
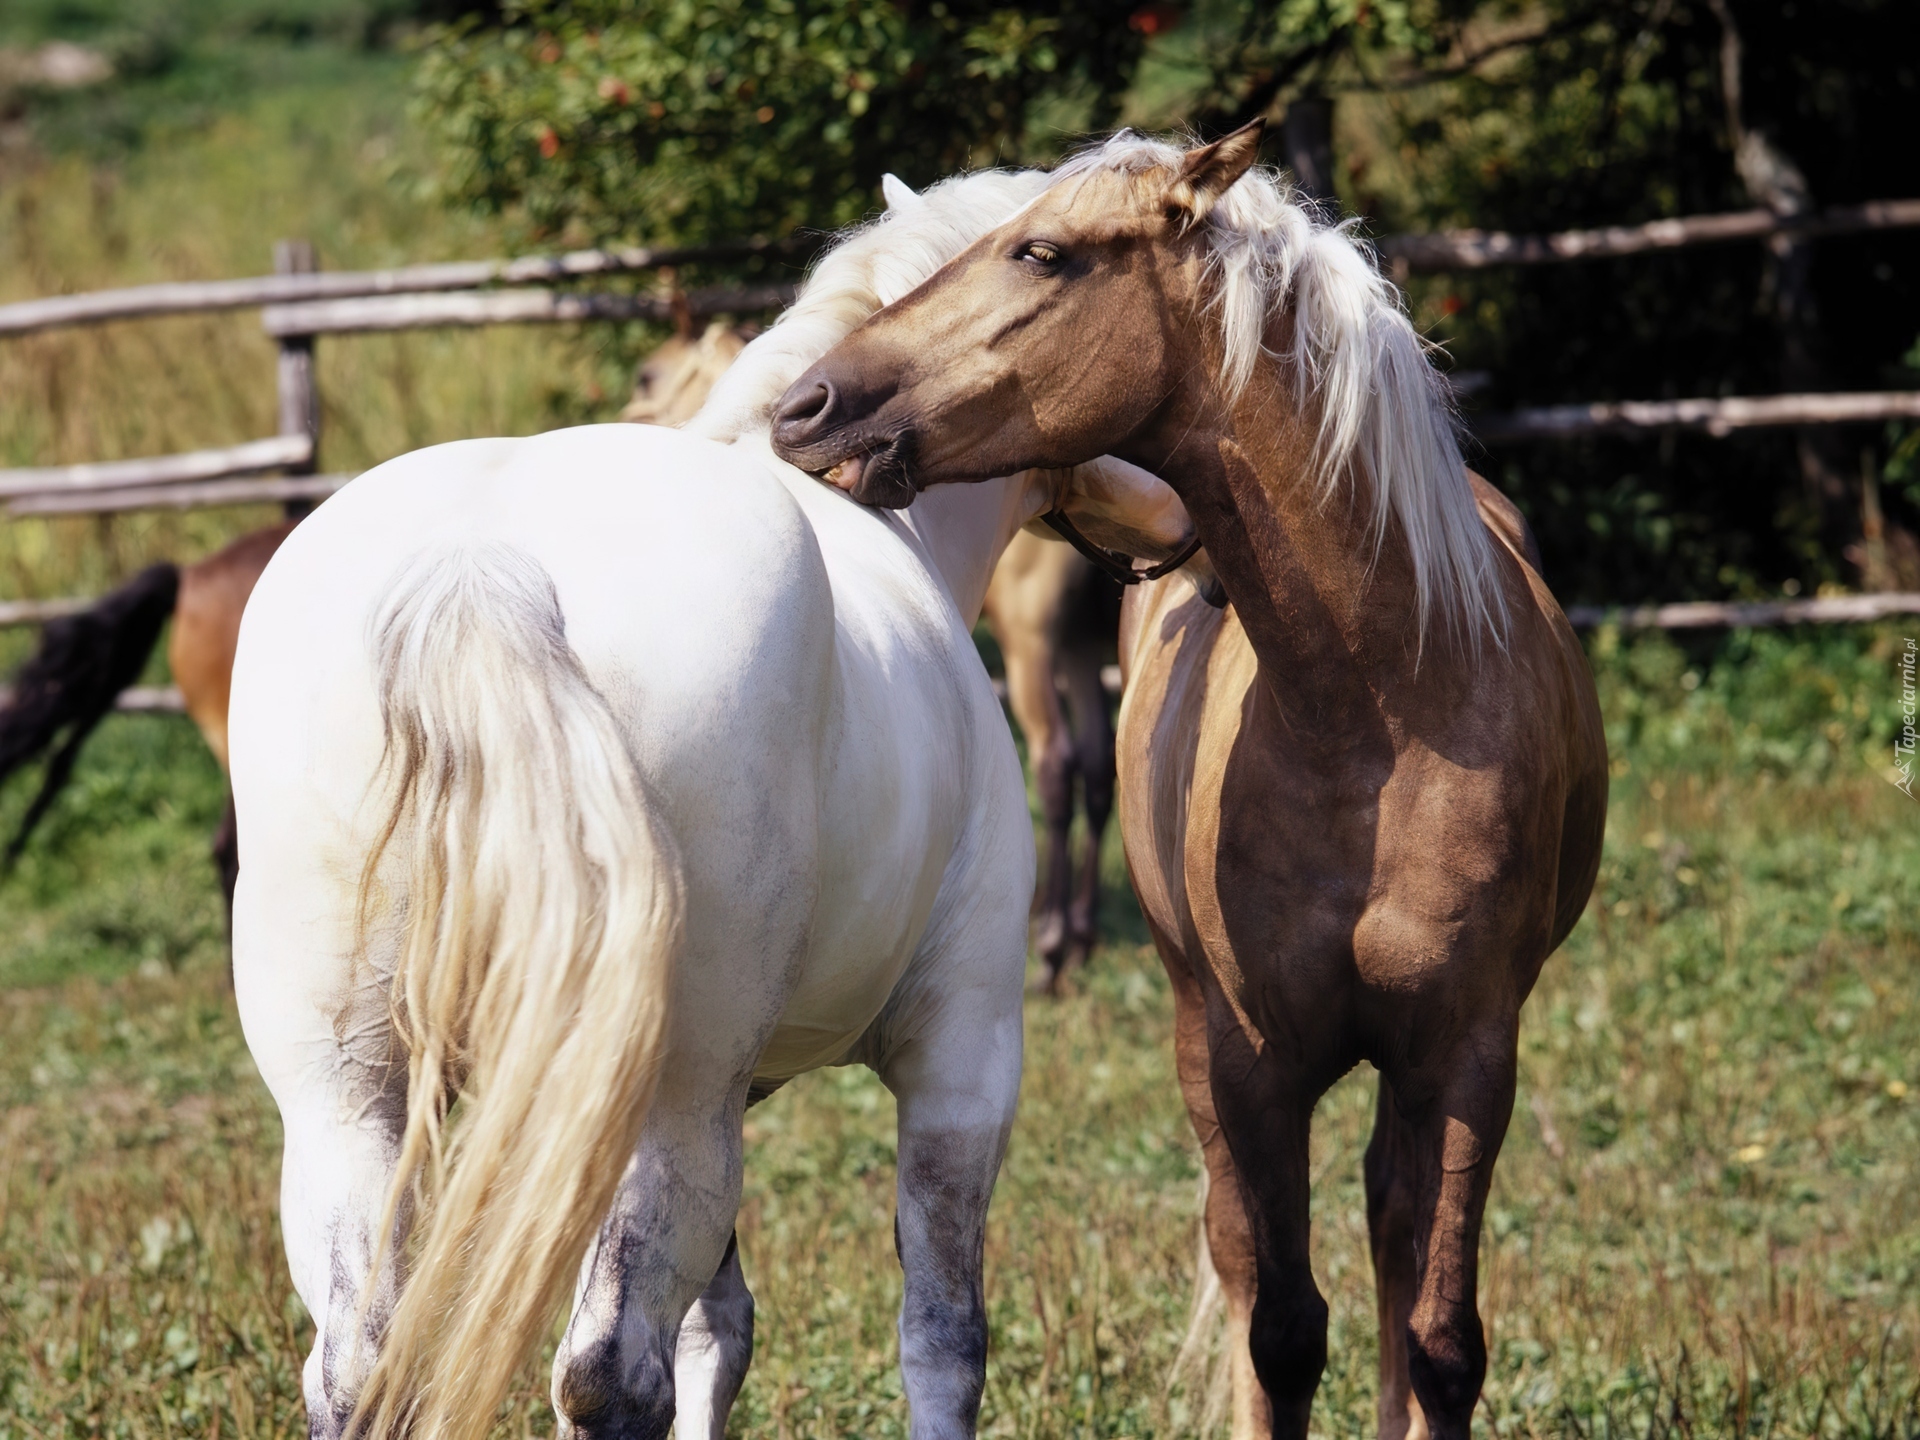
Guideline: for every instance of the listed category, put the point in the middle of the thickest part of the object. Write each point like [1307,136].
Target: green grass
[1704,1223]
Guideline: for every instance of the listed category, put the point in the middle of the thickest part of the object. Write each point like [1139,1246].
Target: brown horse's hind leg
[1265,1105]
[1093,758]
[226,860]
[1393,1207]
[1036,705]
[1458,1133]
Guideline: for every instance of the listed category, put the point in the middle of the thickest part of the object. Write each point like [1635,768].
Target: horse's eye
[1040,252]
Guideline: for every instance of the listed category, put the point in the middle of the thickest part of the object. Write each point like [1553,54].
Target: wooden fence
[300,302]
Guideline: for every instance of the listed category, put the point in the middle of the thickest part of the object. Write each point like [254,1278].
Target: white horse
[604,781]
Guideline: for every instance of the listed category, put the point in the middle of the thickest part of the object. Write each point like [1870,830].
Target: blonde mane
[867,269]
[1386,421]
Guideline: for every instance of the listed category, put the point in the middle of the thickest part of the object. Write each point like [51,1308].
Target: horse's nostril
[806,408]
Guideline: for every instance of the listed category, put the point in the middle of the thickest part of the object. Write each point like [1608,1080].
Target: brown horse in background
[84,661]
[1055,618]
[1361,806]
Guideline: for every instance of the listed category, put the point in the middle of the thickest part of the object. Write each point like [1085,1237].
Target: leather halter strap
[1112,563]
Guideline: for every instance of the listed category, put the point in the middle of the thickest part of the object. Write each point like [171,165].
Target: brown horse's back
[206,627]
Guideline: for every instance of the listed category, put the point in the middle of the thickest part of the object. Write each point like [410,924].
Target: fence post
[299,395]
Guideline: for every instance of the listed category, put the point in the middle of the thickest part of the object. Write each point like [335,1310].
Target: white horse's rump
[495,687]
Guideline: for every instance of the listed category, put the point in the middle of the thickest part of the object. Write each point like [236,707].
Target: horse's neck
[966,528]
[1327,616]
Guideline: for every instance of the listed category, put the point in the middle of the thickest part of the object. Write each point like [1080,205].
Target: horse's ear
[899,195]
[1207,172]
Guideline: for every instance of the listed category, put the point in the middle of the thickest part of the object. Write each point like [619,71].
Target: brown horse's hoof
[1050,937]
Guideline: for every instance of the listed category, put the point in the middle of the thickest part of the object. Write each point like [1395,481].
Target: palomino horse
[1362,806]
[606,780]
[672,383]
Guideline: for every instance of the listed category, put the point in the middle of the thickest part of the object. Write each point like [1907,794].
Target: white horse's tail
[541,917]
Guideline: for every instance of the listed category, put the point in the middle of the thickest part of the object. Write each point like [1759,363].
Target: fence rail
[252,458]
[1716,417]
[138,700]
[1439,251]
[203,296]
[38,612]
[286,489]
[506,307]
[1481,249]
[1748,614]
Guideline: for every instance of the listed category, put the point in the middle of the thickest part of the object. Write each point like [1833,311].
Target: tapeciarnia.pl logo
[1903,743]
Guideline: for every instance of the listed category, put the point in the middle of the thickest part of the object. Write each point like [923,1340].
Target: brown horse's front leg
[1227,1233]
[1393,1210]
[1458,1137]
[1265,1105]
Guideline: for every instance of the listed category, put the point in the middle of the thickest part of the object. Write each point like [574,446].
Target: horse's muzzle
[811,430]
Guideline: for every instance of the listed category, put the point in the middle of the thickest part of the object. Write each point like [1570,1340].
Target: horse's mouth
[880,477]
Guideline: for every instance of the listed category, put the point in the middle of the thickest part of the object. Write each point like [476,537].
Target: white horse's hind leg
[334,1183]
[341,1088]
[957,1081]
[715,1347]
[660,1248]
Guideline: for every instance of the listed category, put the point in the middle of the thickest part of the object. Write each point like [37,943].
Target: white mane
[867,268]
[1385,416]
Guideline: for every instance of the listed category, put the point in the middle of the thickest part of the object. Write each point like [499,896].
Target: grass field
[1705,1221]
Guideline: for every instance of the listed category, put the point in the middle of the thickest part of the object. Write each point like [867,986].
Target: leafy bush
[699,120]
[1812,703]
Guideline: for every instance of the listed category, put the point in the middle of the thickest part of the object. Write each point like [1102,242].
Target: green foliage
[1808,705]
[1614,114]
[699,120]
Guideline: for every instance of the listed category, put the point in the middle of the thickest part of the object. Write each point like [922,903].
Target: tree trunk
[1308,137]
